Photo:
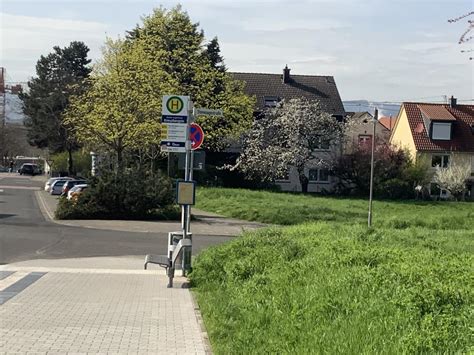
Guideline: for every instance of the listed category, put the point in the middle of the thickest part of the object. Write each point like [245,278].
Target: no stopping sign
[196,135]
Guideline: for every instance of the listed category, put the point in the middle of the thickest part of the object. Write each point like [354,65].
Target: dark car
[29,169]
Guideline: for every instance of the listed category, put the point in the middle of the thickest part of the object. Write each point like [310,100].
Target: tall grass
[328,284]
[317,288]
[290,209]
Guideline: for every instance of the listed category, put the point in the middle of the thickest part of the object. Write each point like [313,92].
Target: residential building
[388,122]
[441,133]
[269,89]
[361,128]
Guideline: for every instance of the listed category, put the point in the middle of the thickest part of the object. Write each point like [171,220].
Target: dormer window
[271,101]
[441,131]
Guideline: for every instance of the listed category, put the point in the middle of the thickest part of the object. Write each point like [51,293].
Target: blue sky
[386,50]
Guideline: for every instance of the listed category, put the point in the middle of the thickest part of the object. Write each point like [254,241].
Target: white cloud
[25,38]
[257,24]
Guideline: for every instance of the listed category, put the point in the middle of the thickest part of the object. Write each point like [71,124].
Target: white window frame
[320,147]
[445,160]
[318,176]
[365,139]
[443,131]
[270,101]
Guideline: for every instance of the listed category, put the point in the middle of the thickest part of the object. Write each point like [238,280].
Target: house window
[441,131]
[440,160]
[270,101]
[365,140]
[320,143]
[437,191]
[318,175]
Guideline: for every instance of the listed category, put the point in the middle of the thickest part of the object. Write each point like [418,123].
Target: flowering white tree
[453,178]
[289,135]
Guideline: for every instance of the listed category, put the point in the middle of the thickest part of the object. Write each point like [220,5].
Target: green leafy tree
[121,110]
[213,53]
[59,75]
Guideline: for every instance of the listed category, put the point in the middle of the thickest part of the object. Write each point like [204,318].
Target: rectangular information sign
[173,132]
[174,119]
[185,192]
[175,147]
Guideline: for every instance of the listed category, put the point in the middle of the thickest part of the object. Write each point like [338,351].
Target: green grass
[335,286]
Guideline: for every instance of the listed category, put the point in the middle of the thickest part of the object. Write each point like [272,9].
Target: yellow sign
[185,192]
[174,104]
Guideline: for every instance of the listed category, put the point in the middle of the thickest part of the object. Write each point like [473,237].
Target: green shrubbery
[335,289]
[134,194]
[81,162]
[395,173]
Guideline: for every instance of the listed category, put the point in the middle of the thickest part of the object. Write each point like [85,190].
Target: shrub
[134,194]
[395,174]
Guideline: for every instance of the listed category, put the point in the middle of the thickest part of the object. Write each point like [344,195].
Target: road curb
[47,213]
[200,321]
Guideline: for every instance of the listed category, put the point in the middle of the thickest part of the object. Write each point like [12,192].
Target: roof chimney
[286,75]
[453,101]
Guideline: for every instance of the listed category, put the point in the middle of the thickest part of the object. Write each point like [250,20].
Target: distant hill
[385,108]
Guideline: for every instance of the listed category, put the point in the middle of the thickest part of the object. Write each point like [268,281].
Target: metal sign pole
[186,258]
[191,168]
[371,188]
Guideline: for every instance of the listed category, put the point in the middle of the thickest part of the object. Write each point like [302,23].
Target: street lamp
[374,121]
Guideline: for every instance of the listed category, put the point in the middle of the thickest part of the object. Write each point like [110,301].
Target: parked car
[29,169]
[3,169]
[47,185]
[75,192]
[71,183]
[57,186]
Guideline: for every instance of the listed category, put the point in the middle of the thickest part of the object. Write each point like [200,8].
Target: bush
[395,173]
[134,194]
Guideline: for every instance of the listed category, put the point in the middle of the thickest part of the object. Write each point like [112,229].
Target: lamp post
[374,121]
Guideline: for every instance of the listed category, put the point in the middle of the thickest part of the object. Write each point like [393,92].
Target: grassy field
[291,209]
[334,286]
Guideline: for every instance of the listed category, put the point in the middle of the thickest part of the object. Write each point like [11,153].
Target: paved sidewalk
[103,305]
[206,223]
[96,306]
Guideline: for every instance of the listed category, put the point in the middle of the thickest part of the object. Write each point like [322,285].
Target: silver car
[47,185]
[57,186]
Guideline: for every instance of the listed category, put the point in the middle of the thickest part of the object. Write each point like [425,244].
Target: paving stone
[99,312]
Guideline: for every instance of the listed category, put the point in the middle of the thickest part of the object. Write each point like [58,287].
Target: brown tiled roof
[462,135]
[436,113]
[321,88]
[387,122]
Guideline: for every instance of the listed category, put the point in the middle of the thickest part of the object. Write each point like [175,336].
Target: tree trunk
[119,160]
[70,164]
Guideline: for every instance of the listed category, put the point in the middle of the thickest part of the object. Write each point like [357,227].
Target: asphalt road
[26,235]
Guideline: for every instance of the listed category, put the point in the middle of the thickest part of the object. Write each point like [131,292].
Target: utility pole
[375,120]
